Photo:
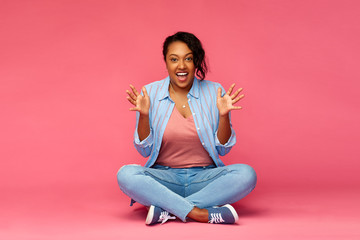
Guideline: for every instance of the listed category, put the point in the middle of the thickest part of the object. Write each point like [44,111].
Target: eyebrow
[177,55]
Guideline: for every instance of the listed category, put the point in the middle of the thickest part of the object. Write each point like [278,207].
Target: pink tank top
[181,146]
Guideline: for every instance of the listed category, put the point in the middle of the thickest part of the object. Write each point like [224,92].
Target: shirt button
[198,128]
[194,114]
[188,99]
[203,144]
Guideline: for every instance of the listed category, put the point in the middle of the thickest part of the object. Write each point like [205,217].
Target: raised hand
[225,104]
[141,103]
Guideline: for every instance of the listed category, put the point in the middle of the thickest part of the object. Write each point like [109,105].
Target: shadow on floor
[139,212]
[244,210]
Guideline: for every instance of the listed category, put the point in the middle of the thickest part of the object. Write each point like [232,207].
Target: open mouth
[182,76]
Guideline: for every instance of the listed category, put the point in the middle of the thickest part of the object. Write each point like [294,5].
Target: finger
[219,93]
[236,93]
[131,101]
[134,90]
[237,99]
[133,109]
[230,89]
[131,95]
[236,108]
[144,91]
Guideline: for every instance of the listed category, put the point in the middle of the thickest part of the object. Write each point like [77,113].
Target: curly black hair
[194,45]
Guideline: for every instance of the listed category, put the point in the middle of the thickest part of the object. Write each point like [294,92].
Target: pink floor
[97,213]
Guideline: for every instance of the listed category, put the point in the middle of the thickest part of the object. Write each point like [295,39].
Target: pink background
[65,126]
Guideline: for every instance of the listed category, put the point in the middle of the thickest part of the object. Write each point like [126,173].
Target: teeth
[181,74]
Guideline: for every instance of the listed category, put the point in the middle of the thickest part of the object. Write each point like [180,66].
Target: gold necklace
[183,106]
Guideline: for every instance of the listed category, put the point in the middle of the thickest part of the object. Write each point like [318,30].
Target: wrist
[224,116]
[144,115]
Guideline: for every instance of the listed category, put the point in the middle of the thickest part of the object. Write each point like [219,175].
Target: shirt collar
[194,91]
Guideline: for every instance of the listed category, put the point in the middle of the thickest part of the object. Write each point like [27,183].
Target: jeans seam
[204,180]
[146,172]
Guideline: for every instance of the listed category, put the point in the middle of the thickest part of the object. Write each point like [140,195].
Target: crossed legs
[187,192]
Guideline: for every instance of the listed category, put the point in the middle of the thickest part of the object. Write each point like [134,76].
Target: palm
[141,102]
[225,104]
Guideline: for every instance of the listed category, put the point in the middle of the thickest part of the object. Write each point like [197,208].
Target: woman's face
[180,65]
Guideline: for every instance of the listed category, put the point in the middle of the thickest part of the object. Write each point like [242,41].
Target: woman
[183,125]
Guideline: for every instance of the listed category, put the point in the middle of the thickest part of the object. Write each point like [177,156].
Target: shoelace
[164,216]
[216,218]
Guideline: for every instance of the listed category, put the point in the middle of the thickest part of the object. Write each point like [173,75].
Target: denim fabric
[178,190]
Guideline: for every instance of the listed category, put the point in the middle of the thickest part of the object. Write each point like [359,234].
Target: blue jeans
[178,190]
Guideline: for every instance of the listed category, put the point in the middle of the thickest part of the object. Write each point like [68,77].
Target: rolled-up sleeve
[225,148]
[143,147]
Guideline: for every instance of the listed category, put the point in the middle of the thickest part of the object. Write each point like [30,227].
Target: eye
[189,59]
[173,59]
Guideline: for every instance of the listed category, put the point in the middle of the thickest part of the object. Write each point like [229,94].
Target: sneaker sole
[233,211]
[150,215]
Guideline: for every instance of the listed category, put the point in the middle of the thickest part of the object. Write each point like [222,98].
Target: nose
[181,64]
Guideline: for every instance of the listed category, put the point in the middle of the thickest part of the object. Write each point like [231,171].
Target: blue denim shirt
[202,102]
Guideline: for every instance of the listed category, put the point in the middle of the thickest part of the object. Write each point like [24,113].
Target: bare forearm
[143,127]
[224,130]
